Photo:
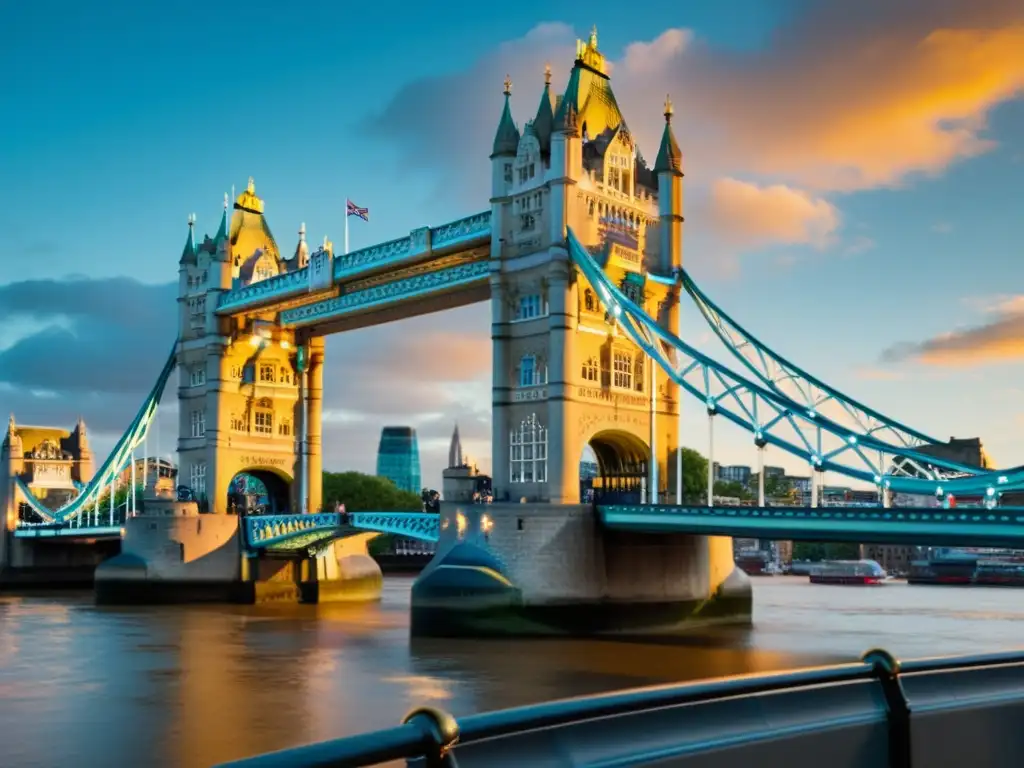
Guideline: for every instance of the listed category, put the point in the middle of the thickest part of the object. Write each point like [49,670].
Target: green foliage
[775,486]
[816,551]
[366,493]
[695,476]
[381,545]
[731,489]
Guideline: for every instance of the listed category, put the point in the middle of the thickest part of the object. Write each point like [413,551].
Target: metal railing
[431,737]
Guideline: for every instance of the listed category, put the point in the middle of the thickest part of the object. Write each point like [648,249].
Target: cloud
[751,215]
[848,96]
[95,347]
[1000,340]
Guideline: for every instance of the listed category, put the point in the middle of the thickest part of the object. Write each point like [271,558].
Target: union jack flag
[355,210]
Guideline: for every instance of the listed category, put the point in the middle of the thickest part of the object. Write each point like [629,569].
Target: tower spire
[455,458]
[506,138]
[188,253]
[670,159]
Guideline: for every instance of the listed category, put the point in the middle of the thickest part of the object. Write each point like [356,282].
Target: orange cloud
[748,214]
[1001,340]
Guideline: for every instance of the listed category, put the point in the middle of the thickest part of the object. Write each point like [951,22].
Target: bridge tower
[565,375]
[240,376]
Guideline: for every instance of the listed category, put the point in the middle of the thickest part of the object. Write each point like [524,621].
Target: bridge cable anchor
[886,669]
[441,729]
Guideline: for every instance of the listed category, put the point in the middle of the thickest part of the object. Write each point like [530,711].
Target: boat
[848,572]
[999,573]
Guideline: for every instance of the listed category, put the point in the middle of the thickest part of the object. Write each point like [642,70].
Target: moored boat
[858,572]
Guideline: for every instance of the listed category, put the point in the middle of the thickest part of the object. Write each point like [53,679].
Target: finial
[251,188]
[302,231]
[668,108]
[508,85]
[593,37]
[225,201]
[547,74]
[191,220]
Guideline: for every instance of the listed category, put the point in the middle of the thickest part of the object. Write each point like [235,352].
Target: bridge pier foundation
[545,569]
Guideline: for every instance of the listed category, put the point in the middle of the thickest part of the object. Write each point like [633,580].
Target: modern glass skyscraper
[398,457]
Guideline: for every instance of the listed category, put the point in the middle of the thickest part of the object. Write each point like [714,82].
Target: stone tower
[565,375]
[240,375]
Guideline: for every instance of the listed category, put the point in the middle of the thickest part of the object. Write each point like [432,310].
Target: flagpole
[346,226]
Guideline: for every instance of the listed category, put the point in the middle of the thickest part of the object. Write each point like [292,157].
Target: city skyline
[831,207]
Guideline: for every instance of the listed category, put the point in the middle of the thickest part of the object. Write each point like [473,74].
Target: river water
[193,686]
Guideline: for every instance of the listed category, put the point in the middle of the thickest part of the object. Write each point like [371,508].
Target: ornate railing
[931,713]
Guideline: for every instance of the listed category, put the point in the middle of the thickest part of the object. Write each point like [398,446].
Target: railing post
[442,729]
[887,670]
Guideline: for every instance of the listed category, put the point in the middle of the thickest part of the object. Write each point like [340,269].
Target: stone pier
[546,569]
[173,554]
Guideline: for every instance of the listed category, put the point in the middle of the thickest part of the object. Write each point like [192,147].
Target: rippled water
[193,686]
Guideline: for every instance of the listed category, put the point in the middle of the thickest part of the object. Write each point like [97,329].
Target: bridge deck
[1003,526]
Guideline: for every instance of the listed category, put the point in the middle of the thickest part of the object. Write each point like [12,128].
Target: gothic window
[196,377]
[236,371]
[531,168]
[263,417]
[638,372]
[531,372]
[237,423]
[530,306]
[527,222]
[591,371]
[197,479]
[266,374]
[285,375]
[263,271]
[508,173]
[284,428]
[197,420]
[589,304]
[590,209]
[622,369]
[528,452]
[634,292]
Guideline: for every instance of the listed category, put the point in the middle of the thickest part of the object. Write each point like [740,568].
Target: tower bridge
[580,255]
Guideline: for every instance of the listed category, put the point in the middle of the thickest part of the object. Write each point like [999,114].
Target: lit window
[198,422]
[266,374]
[528,454]
[263,418]
[622,370]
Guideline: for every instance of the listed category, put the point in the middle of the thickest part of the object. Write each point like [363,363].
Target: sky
[853,190]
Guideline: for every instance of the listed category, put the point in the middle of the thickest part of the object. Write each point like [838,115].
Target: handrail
[430,734]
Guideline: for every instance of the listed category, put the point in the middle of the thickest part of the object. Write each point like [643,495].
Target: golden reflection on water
[193,686]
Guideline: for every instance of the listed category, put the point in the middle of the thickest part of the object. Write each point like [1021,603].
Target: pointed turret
[455,458]
[506,139]
[220,240]
[301,258]
[188,254]
[544,122]
[670,159]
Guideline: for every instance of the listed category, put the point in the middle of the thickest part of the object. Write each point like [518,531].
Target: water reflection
[192,686]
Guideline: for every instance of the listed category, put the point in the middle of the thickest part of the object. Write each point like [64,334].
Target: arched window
[638,372]
[588,300]
[622,369]
[528,452]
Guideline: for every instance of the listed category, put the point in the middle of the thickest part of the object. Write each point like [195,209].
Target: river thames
[193,686]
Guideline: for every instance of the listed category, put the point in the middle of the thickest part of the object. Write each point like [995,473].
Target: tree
[695,476]
[366,493]
[731,489]
[776,486]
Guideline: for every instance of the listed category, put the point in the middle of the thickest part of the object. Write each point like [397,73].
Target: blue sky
[853,184]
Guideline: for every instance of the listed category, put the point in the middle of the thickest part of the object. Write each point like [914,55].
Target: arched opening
[258,492]
[613,469]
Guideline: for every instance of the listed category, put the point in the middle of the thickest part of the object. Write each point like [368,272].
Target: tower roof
[544,122]
[188,253]
[249,229]
[506,138]
[588,98]
[455,458]
[670,159]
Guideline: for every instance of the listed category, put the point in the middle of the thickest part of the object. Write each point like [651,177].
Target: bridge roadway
[999,527]
[933,713]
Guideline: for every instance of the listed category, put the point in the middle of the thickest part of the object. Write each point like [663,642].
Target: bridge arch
[259,490]
[623,459]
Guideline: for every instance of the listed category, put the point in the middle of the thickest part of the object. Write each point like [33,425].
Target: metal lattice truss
[424,526]
[312,532]
[119,459]
[797,427]
[793,382]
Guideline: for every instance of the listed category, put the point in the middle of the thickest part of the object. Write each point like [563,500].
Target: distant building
[398,457]
[734,474]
